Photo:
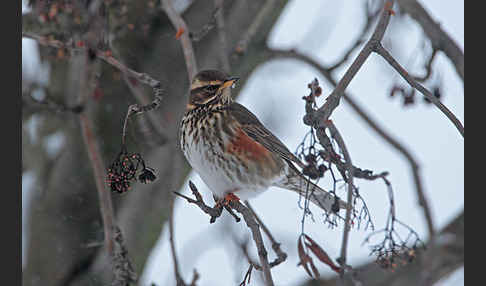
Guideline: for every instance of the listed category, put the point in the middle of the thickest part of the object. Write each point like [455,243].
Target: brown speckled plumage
[231,149]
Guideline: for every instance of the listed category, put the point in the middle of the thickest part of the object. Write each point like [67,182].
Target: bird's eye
[212,88]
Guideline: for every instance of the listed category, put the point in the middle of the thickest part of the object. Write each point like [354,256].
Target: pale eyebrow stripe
[199,83]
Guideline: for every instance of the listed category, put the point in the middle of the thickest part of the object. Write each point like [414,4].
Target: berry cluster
[124,170]
[313,170]
[401,255]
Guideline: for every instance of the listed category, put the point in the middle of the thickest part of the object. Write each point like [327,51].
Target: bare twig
[281,256]
[428,67]
[179,280]
[106,205]
[249,219]
[378,48]
[185,40]
[320,118]
[333,100]
[141,77]
[254,27]
[325,111]
[247,277]
[44,41]
[349,166]
[370,16]
[438,37]
[222,36]
[50,104]
[106,56]
[214,213]
[152,117]
[257,237]
[199,35]
[414,166]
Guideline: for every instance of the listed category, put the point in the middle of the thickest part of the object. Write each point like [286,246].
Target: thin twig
[281,256]
[254,27]
[214,213]
[428,67]
[349,167]
[414,165]
[438,37]
[50,104]
[152,117]
[257,237]
[199,35]
[369,21]
[179,280]
[249,219]
[325,111]
[105,56]
[181,27]
[223,46]
[320,118]
[333,99]
[379,49]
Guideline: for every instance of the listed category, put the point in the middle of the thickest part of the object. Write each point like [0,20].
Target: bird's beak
[230,81]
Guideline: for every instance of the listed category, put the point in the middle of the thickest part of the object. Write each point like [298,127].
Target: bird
[235,155]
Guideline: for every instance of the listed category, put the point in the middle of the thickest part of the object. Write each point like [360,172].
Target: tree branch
[441,259]
[281,256]
[439,39]
[242,45]
[325,111]
[181,27]
[249,217]
[349,207]
[222,36]
[389,58]
[257,237]
[106,205]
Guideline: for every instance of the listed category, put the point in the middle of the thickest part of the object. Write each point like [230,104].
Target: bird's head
[210,87]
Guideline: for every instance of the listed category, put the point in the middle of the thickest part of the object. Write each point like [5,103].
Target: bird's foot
[226,203]
[229,197]
[226,200]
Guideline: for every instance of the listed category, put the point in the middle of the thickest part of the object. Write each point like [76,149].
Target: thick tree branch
[106,205]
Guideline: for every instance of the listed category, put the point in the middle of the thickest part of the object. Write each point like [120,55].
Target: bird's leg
[230,197]
[225,202]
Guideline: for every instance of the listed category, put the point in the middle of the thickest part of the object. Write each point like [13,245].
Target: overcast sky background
[324,29]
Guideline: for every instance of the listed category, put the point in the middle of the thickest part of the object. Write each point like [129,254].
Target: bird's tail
[296,182]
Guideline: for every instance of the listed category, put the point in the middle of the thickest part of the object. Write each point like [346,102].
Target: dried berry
[123,170]
[147,175]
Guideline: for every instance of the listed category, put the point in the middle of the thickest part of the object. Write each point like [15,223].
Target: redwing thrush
[234,154]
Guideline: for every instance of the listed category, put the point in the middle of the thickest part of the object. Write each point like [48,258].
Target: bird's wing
[255,129]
